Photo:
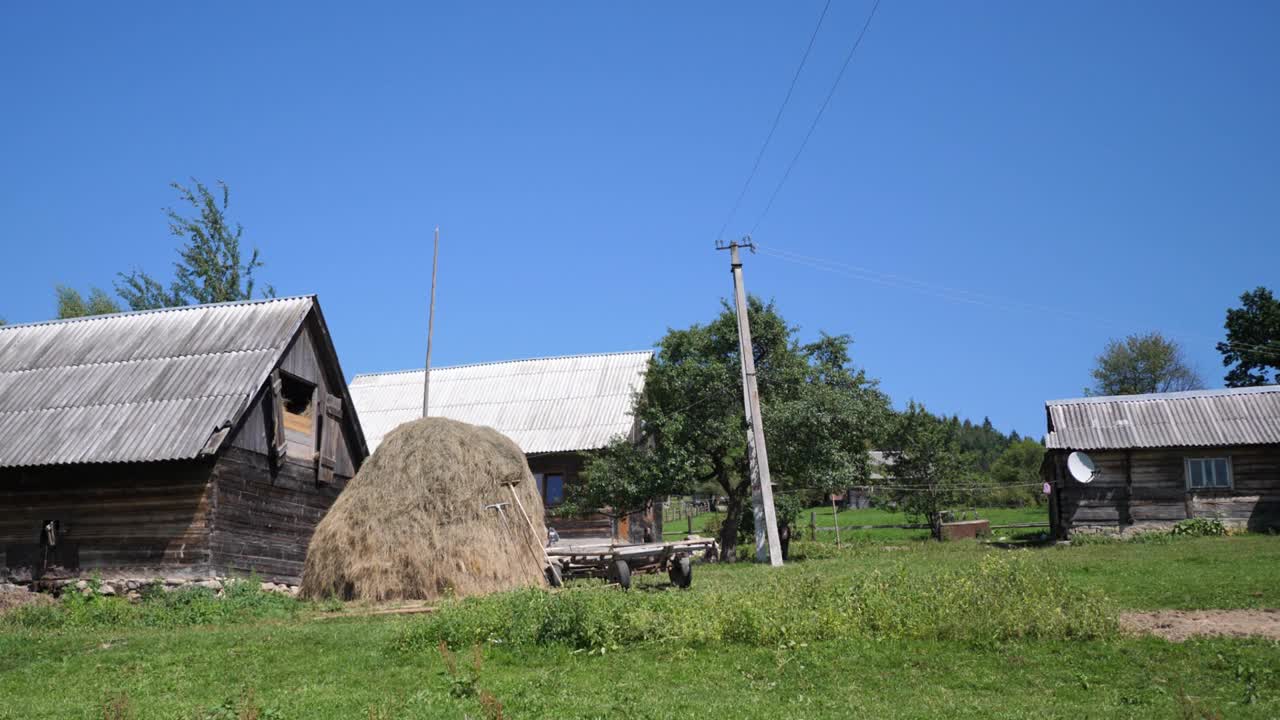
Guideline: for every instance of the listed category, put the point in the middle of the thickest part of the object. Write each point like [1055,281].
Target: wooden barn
[1164,458]
[188,442]
[556,409]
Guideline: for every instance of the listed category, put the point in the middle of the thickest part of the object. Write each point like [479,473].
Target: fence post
[813,525]
[690,519]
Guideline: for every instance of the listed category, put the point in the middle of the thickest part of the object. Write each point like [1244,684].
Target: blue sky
[1090,168]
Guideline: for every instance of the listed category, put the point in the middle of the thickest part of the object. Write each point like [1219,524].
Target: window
[1208,473]
[551,488]
[297,396]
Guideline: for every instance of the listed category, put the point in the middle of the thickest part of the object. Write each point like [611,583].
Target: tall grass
[1002,597]
[241,601]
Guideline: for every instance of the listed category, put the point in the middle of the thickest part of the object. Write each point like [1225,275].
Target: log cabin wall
[140,519]
[263,518]
[1147,489]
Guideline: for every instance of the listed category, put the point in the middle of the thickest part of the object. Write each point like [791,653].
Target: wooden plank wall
[142,519]
[1147,488]
[263,523]
[301,360]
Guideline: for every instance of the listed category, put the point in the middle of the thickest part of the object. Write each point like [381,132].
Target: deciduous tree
[928,472]
[1139,364]
[1253,340]
[71,304]
[210,267]
[820,416]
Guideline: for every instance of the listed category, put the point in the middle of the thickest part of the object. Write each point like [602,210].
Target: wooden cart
[617,563]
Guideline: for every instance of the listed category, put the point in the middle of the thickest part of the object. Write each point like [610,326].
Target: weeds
[240,601]
[1003,597]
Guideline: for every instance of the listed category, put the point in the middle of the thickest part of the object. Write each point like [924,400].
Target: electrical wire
[965,296]
[776,119]
[821,109]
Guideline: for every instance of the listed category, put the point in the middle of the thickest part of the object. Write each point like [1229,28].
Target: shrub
[1003,597]
[1199,527]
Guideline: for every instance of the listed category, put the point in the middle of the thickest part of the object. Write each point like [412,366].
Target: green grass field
[318,664]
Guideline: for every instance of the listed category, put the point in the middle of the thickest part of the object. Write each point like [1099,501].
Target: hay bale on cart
[419,520]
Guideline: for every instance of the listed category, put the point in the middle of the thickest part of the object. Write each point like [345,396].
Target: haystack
[413,523]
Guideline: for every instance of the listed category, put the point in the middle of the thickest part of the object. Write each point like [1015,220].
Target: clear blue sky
[1115,165]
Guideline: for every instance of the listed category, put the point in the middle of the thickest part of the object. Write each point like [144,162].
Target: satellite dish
[1081,467]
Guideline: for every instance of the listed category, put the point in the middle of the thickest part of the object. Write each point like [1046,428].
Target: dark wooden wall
[262,522]
[301,360]
[630,528]
[144,519]
[1148,488]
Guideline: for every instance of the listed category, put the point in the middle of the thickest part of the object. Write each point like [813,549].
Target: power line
[776,118]
[965,296]
[821,109]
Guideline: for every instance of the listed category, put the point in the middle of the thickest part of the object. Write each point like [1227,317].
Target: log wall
[262,522]
[1141,488]
[145,519]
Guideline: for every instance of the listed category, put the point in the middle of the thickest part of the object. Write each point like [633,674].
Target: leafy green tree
[1140,364]
[1253,340]
[928,472]
[71,304]
[1016,473]
[820,415]
[210,267]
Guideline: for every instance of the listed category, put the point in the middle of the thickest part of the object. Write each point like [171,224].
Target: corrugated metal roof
[1196,418]
[559,404]
[139,386]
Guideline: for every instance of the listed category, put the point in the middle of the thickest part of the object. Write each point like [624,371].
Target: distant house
[1166,457]
[555,409]
[193,442]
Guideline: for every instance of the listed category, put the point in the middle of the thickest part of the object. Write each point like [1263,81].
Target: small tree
[210,267]
[1143,364]
[928,473]
[72,305]
[1016,473]
[1253,340]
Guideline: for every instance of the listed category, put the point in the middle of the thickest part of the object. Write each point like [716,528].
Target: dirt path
[1178,625]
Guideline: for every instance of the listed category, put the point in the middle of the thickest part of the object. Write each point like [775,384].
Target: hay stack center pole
[768,547]
[431,322]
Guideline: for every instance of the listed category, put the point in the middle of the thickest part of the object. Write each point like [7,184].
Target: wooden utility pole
[431,322]
[768,547]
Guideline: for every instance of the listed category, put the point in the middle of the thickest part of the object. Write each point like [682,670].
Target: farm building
[555,409]
[190,442]
[1166,457]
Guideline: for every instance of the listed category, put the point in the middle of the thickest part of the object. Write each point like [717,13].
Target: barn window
[298,397]
[551,488]
[1209,473]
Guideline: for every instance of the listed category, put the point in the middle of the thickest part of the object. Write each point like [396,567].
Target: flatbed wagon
[617,563]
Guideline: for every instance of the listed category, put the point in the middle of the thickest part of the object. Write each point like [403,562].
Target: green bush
[1004,597]
[1199,527]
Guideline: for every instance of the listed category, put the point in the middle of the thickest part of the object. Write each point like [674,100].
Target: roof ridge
[1178,395]
[504,362]
[175,308]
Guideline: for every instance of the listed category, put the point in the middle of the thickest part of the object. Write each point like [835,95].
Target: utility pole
[431,322]
[766,522]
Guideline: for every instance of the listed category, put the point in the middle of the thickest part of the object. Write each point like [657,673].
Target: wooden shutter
[277,416]
[330,436]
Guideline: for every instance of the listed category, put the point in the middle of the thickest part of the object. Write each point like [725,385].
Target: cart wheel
[554,576]
[681,572]
[621,574]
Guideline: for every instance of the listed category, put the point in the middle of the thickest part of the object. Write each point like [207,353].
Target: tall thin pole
[431,323]
[768,547]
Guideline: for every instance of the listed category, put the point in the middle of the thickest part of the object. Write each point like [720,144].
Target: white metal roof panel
[559,404]
[1195,418]
[140,386]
